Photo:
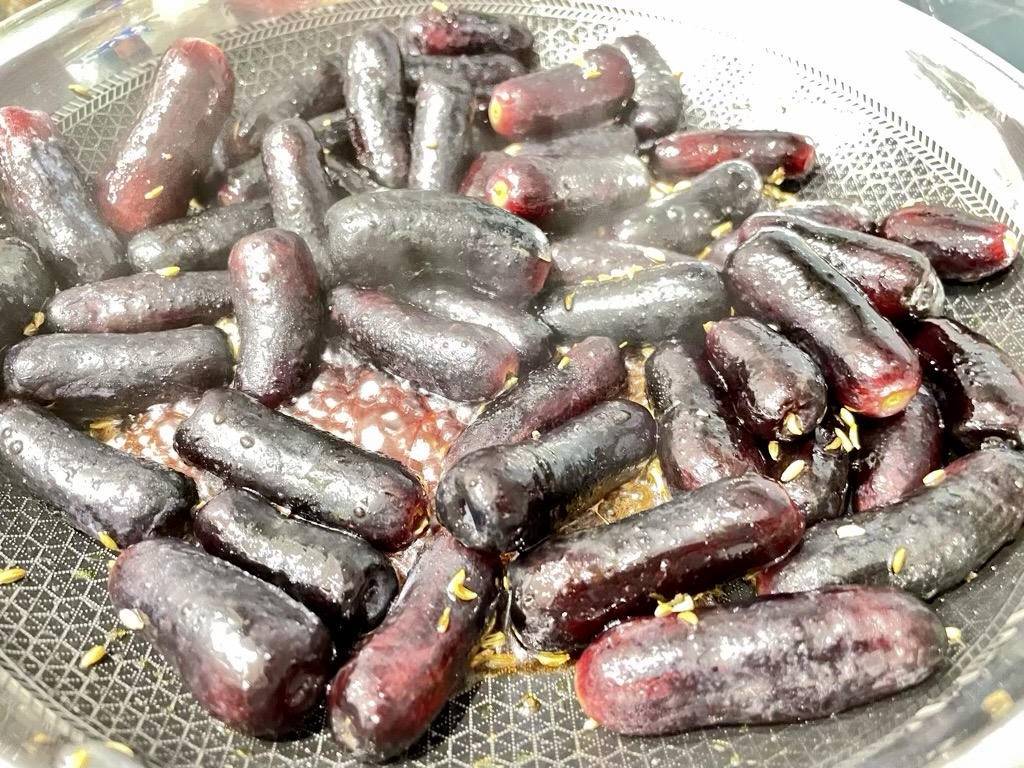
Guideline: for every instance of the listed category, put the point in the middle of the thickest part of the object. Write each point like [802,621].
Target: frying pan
[901,108]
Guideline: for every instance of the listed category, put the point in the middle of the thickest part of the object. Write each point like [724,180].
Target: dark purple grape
[567,589]
[579,94]
[317,475]
[657,107]
[960,246]
[685,221]
[979,389]
[779,660]
[393,236]
[898,453]
[387,695]
[48,204]
[99,489]
[654,304]
[300,192]
[779,279]
[697,443]
[91,375]
[251,656]
[926,544]
[160,164]
[379,119]
[276,296]
[590,372]
[510,497]
[137,303]
[338,576]
[461,361]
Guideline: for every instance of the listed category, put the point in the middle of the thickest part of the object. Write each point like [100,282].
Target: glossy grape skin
[897,453]
[979,389]
[338,576]
[689,153]
[459,360]
[48,204]
[93,375]
[138,303]
[960,246]
[778,278]
[161,162]
[452,32]
[97,488]
[250,655]
[276,296]
[663,302]
[770,382]
[698,443]
[683,221]
[378,116]
[320,477]
[510,497]
[565,98]
[387,695]
[779,660]
[567,589]
[945,530]
[590,372]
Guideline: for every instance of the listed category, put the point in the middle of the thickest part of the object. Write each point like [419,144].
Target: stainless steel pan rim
[911,109]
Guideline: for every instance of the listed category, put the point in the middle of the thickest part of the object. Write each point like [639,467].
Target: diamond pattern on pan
[870,155]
